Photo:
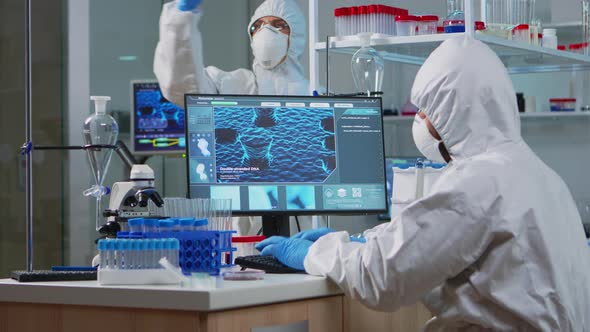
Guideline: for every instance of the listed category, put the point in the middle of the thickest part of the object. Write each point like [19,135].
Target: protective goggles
[277,24]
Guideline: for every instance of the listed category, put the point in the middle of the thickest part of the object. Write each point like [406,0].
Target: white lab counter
[288,302]
[218,294]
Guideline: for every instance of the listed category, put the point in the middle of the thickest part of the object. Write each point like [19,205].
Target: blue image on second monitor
[153,111]
[263,197]
[300,197]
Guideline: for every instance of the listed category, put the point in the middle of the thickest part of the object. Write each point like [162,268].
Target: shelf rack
[517,57]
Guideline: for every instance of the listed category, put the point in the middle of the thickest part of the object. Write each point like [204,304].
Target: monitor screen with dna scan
[277,155]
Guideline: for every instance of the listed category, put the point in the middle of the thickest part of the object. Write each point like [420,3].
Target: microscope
[129,199]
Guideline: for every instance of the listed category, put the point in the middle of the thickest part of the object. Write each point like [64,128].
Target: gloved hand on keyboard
[290,251]
[187,5]
[310,235]
[313,234]
[271,240]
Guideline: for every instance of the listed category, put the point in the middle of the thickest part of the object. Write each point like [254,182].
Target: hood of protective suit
[472,115]
[291,70]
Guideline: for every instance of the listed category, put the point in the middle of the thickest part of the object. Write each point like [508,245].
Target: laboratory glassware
[406,25]
[455,6]
[550,38]
[367,67]
[102,130]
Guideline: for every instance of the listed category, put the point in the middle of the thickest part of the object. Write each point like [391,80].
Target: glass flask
[367,67]
[99,129]
[454,6]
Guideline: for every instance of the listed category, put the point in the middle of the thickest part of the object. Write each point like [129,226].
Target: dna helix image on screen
[280,144]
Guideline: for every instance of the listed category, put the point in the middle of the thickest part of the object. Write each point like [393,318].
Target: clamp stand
[56,274]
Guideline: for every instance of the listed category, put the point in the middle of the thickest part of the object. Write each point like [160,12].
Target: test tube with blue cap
[175,251]
[166,225]
[187,224]
[150,254]
[102,253]
[201,224]
[137,254]
[159,248]
[136,225]
[175,224]
[150,225]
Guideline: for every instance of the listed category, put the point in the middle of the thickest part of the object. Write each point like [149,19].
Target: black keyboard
[269,264]
[50,275]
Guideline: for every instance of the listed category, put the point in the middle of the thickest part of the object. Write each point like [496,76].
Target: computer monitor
[157,125]
[281,156]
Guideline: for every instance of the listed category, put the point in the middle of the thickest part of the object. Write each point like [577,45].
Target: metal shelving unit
[413,50]
[517,57]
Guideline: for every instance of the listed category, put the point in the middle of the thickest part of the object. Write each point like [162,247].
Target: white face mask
[269,46]
[426,144]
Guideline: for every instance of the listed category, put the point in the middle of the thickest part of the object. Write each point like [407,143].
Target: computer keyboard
[49,275]
[269,264]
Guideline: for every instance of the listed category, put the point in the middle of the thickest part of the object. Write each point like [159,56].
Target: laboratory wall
[47,125]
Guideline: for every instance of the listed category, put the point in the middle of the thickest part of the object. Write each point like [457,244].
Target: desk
[222,306]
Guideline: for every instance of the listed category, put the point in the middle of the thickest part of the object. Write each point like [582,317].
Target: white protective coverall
[178,65]
[498,243]
[178,61]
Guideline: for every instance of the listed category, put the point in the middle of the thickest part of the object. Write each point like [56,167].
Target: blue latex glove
[290,252]
[359,239]
[313,234]
[271,240]
[187,5]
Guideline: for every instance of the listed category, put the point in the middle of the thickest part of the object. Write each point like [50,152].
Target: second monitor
[157,125]
[287,155]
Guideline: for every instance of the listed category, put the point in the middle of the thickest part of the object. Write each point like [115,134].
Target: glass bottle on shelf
[367,67]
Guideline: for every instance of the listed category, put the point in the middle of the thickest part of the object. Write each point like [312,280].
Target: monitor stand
[276,225]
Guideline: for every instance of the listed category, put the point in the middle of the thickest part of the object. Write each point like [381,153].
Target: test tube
[175,224]
[158,246]
[187,224]
[166,225]
[174,248]
[102,254]
[201,224]
[355,19]
[135,254]
[150,254]
[136,225]
[120,252]
[150,225]
[336,21]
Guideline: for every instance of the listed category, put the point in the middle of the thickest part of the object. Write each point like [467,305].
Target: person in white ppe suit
[497,244]
[277,33]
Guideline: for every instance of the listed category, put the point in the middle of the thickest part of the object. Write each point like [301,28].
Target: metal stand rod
[73,147]
[29,138]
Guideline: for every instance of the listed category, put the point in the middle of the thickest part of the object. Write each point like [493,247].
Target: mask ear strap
[444,152]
